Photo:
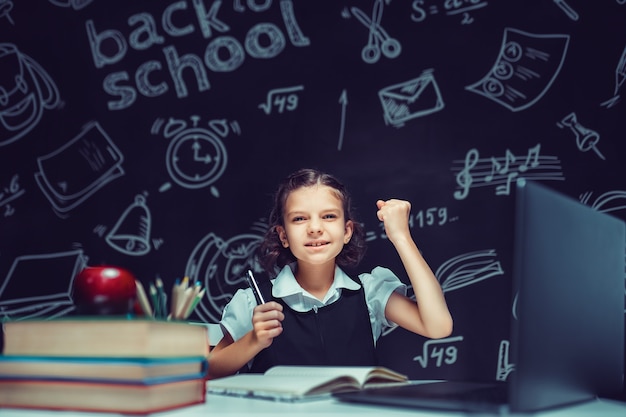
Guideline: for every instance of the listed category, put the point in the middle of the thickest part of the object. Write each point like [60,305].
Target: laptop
[567,333]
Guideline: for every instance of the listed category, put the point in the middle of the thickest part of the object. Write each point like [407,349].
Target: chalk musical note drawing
[526,67]
[502,172]
[131,233]
[411,99]
[71,174]
[378,40]
[196,156]
[586,139]
[442,354]
[26,90]
[468,268]
[19,300]
[221,265]
[504,367]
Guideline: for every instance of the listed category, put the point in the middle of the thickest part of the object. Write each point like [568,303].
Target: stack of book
[103,364]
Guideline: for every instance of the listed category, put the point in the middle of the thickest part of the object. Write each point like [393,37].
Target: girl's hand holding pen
[266,321]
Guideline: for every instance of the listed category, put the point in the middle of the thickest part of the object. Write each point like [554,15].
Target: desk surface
[231,406]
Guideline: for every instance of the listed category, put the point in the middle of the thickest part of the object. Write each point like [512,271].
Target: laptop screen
[568,319]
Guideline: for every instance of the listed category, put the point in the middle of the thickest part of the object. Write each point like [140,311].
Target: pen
[255,288]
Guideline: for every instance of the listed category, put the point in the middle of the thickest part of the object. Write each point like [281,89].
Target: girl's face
[315,227]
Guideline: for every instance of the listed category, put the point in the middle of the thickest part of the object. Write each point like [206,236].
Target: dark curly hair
[272,254]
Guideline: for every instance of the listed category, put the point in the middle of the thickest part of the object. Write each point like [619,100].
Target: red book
[101,397]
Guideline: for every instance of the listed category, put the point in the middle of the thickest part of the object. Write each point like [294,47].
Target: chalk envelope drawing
[526,67]
[72,173]
[411,99]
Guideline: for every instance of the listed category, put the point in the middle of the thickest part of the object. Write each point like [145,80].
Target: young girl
[315,314]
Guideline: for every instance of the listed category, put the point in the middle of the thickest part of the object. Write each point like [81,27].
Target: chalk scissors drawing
[378,39]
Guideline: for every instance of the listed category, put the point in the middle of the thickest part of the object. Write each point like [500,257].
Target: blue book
[139,371]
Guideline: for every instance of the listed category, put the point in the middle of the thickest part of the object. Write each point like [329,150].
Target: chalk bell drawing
[131,233]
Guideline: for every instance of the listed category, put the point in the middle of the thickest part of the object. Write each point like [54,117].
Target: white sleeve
[237,314]
[378,286]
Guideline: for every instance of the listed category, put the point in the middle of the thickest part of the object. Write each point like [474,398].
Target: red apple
[104,290]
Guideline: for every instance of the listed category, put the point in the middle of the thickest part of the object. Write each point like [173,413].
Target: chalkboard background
[150,135]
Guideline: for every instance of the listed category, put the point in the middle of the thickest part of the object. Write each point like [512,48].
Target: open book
[293,383]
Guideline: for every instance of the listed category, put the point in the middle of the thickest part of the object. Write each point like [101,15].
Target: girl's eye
[298,219]
[330,216]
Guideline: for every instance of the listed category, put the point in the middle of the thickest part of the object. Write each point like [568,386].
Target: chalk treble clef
[464,177]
